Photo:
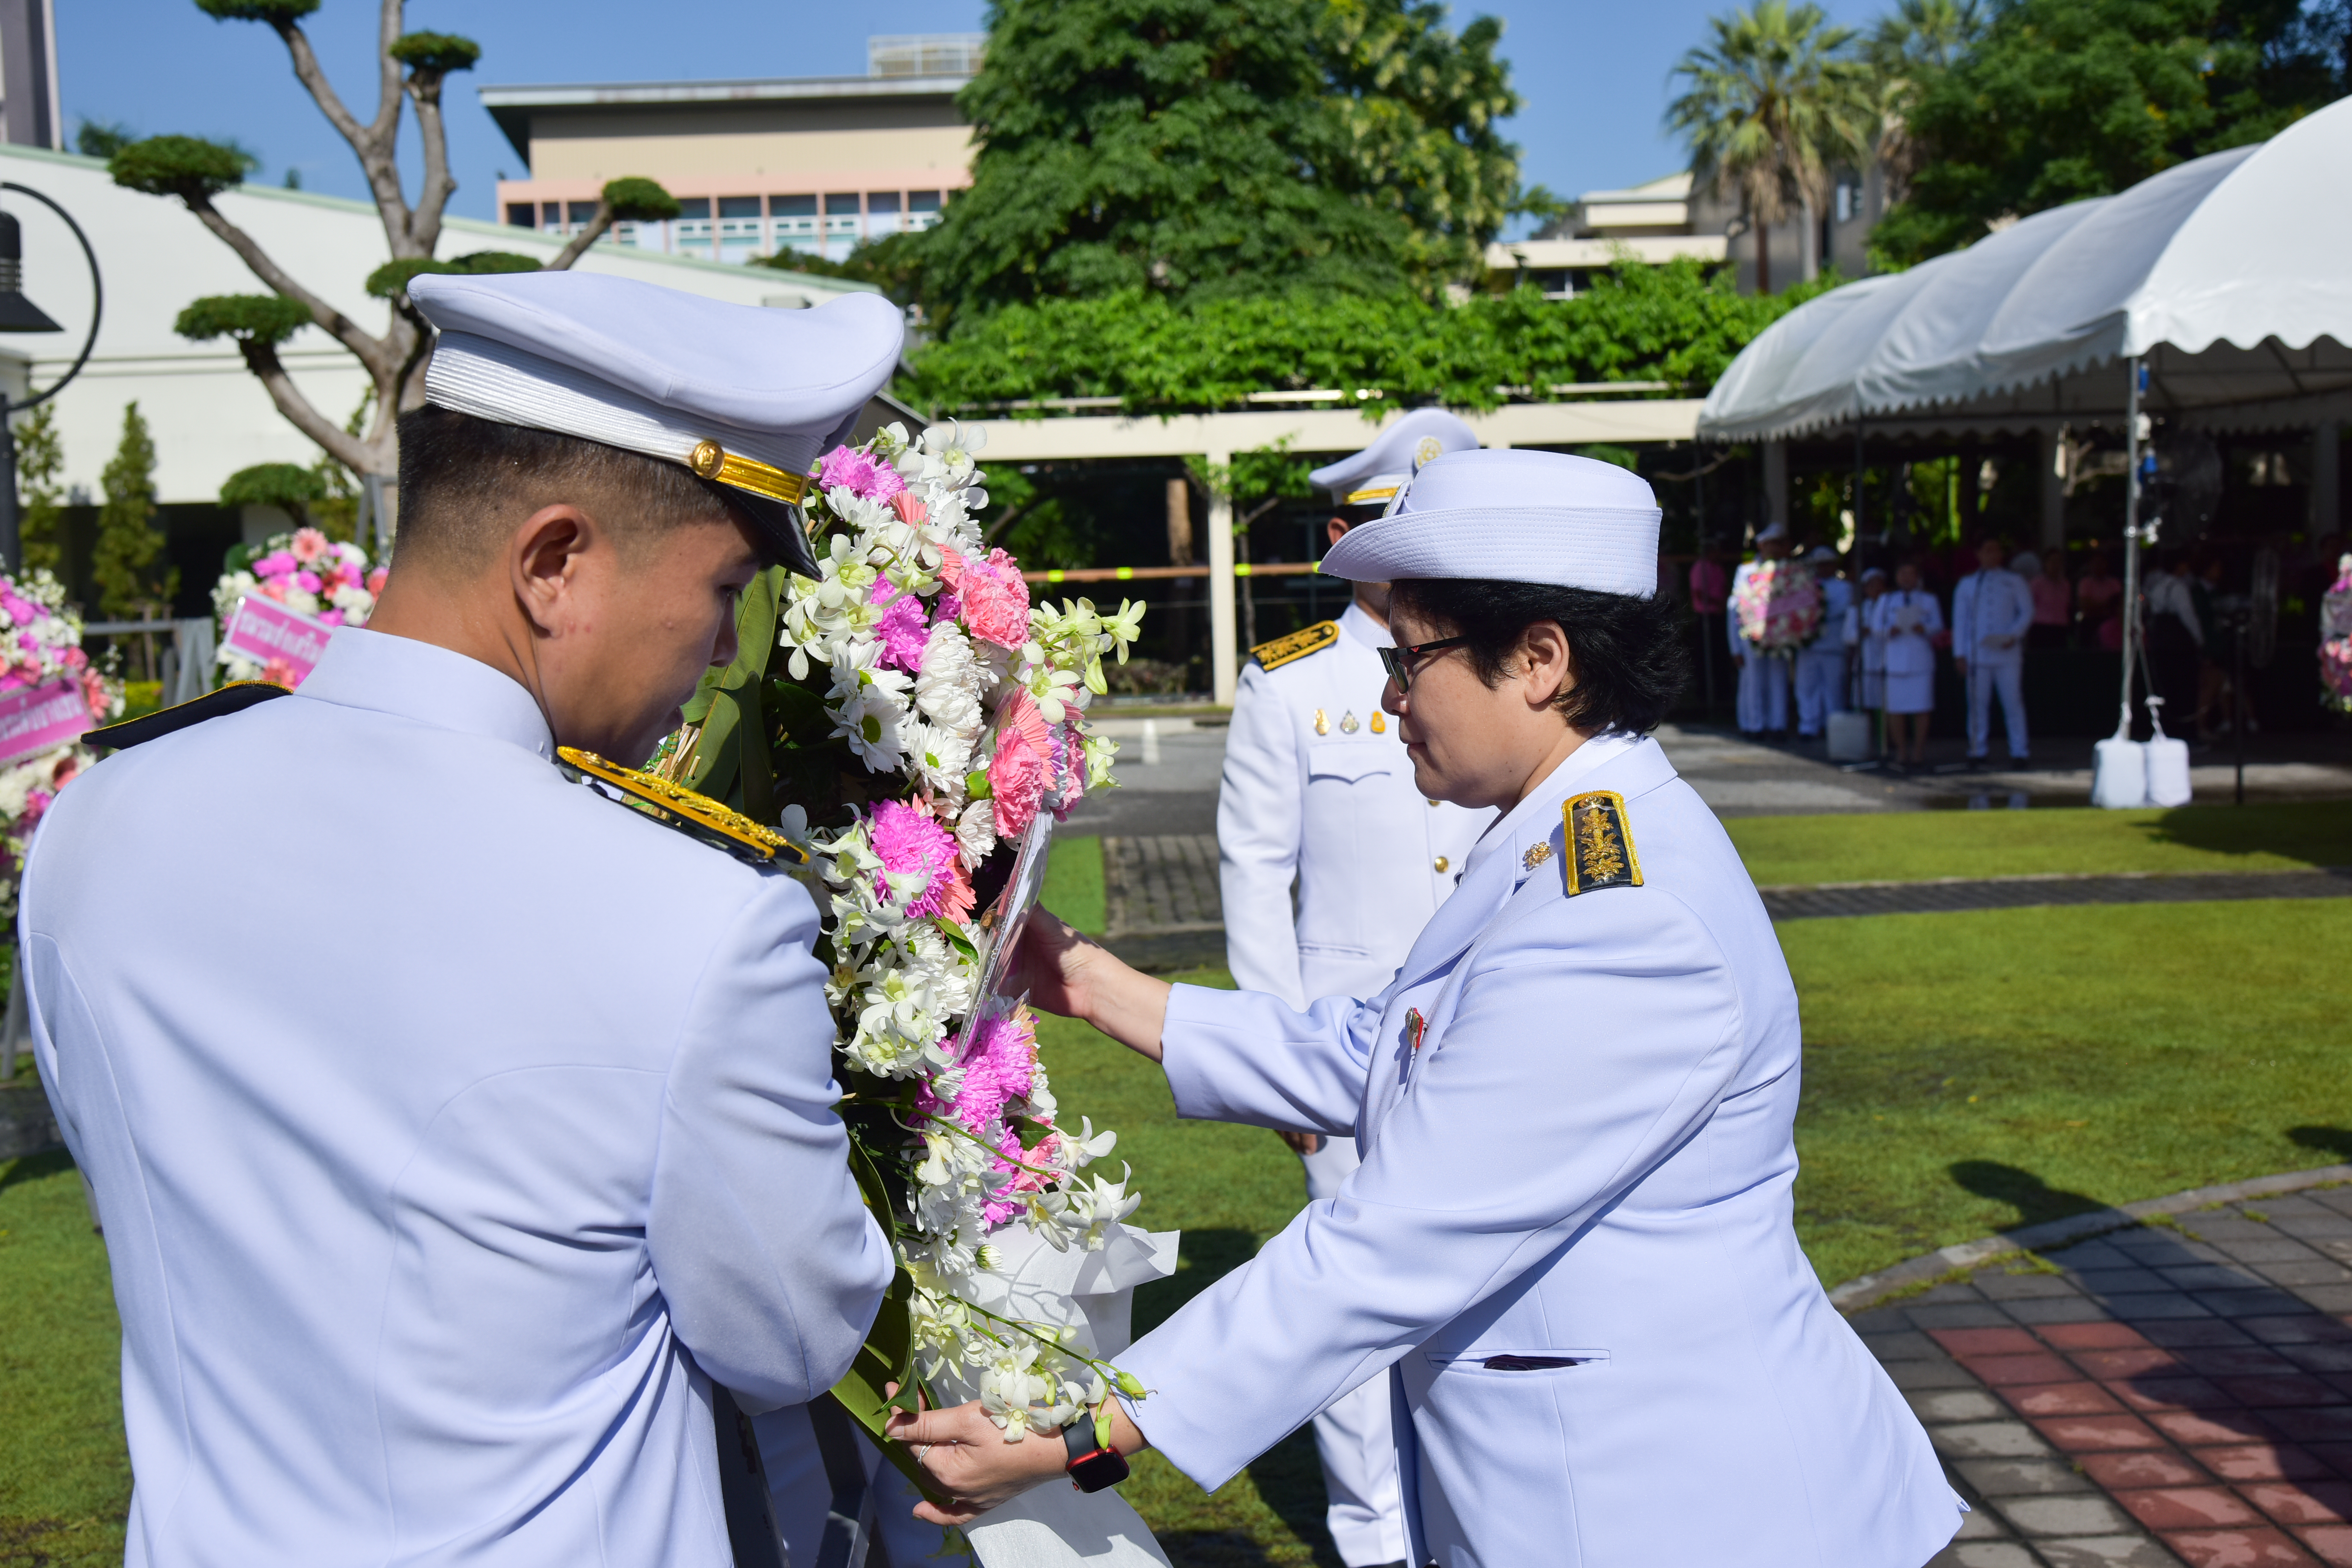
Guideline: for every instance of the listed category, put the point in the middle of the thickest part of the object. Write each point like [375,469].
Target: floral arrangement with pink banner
[276,605]
[1778,605]
[50,695]
[911,718]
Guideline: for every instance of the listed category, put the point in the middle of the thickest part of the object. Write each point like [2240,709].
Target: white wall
[209,417]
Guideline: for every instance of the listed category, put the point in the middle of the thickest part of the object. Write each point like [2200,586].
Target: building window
[922,210]
[578,216]
[742,232]
[881,213]
[844,224]
[694,228]
[792,223]
[522,215]
[550,217]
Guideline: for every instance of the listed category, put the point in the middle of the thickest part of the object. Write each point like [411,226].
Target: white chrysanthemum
[976,832]
[938,759]
[949,688]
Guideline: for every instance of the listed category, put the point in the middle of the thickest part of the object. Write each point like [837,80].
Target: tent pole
[2132,374]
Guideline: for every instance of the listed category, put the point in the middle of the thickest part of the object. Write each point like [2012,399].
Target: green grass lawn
[1964,1073]
[1913,846]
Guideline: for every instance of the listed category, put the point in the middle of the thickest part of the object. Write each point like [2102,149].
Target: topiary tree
[128,539]
[40,460]
[411,70]
[289,487]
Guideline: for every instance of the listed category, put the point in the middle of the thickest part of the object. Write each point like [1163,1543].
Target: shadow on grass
[1206,1256]
[32,1168]
[2318,833]
[2333,1141]
[2034,1199]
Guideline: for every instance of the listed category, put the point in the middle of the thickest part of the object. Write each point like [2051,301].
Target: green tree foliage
[1770,106]
[1913,43]
[1202,148]
[128,539]
[390,281]
[286,485]
[435,54]
[93,138]
[186,166]
[2067,99]
[40,460]
[1681,324]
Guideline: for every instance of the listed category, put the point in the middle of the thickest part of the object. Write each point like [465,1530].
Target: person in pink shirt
[2098,601]
[2052,599]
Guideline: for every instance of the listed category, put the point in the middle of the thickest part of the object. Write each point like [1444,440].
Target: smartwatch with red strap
[1091,1469]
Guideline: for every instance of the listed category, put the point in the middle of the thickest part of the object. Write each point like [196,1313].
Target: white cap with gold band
[746,398]
[1513,516]
[1375,476]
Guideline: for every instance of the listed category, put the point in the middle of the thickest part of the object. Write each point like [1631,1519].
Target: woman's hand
[966,1456]
[1065,974]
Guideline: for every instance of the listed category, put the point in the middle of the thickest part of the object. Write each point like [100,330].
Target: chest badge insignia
[1415,1026]
[1600,847]
[1347,724]
[1537,853]
[1322,725]
[1379,724]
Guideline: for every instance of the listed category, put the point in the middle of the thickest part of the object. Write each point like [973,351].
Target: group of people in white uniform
[474,1270]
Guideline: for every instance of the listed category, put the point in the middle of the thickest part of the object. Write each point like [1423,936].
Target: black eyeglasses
[1397,660]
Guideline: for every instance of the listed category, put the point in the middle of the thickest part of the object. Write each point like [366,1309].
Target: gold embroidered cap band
[697,816]
[1599,849]
[713,461]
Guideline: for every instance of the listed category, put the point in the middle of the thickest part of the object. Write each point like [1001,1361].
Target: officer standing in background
[1763,701]
[1821,666]
[1317,789]
[449,1258]
[1991,610]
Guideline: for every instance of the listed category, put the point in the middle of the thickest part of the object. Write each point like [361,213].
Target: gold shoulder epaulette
[1599,849]
[697,816]
[1296,645]
[234,697]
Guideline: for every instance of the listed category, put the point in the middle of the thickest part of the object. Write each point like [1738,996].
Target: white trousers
[800,1493]
[1821,689]
[2006,678]
[1763,692]
[1354,1436]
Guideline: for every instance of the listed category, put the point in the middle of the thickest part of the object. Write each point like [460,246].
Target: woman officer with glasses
[1570,1242]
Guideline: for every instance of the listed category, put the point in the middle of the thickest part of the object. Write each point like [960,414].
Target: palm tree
[1773,104]
[1923,38]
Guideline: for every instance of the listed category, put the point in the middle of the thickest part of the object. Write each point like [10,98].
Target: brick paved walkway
[2167,1394]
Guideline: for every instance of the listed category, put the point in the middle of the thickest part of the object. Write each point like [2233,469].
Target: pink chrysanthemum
[908,839]
[276,563]
[901,631]
[859,471]
[1023,766]
[995,600]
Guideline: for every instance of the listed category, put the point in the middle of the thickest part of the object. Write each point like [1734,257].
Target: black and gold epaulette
[1600,845]
[234,697]
[1296,645]
[696,815]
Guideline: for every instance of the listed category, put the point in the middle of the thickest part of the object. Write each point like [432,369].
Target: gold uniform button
[1433,806]
[1441,861]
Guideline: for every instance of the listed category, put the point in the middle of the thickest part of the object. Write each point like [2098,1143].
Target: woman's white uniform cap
[1379,474]
[1513,516]
[743,395]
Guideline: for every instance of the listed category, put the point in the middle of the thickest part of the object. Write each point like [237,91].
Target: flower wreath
[308,574]
[40,642]
[1780,606]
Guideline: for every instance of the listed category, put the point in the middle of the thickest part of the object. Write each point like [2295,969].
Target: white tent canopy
[2231,275]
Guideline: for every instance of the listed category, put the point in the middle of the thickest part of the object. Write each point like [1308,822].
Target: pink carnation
[901,630]
[910,507]
[20,610]
[329,618]
[276,563]
[1022,767]
[908,839]
[310,544]
[375,579]
[995,600]
[308,581]
[859,471]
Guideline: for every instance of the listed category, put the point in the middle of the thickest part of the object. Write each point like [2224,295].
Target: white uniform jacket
[452,1128]
[1991,612]
[1336,811]
[1587,1160]
[1907,621]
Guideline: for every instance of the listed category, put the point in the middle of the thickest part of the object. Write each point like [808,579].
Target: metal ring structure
[97,298]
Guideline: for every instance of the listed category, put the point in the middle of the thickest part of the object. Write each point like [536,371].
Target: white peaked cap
[1513,516]
[1777,531]
[744,395]
[1374,476]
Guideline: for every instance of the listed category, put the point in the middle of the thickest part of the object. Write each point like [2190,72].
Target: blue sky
[1594,75]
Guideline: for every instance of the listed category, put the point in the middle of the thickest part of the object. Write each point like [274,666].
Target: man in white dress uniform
[1821,663]
[1570,1243]
[1317,789]
[1762,705]
[1991,609]
[438,1199]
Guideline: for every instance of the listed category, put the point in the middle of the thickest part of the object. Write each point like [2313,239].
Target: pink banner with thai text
[39,718]
[286,645]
